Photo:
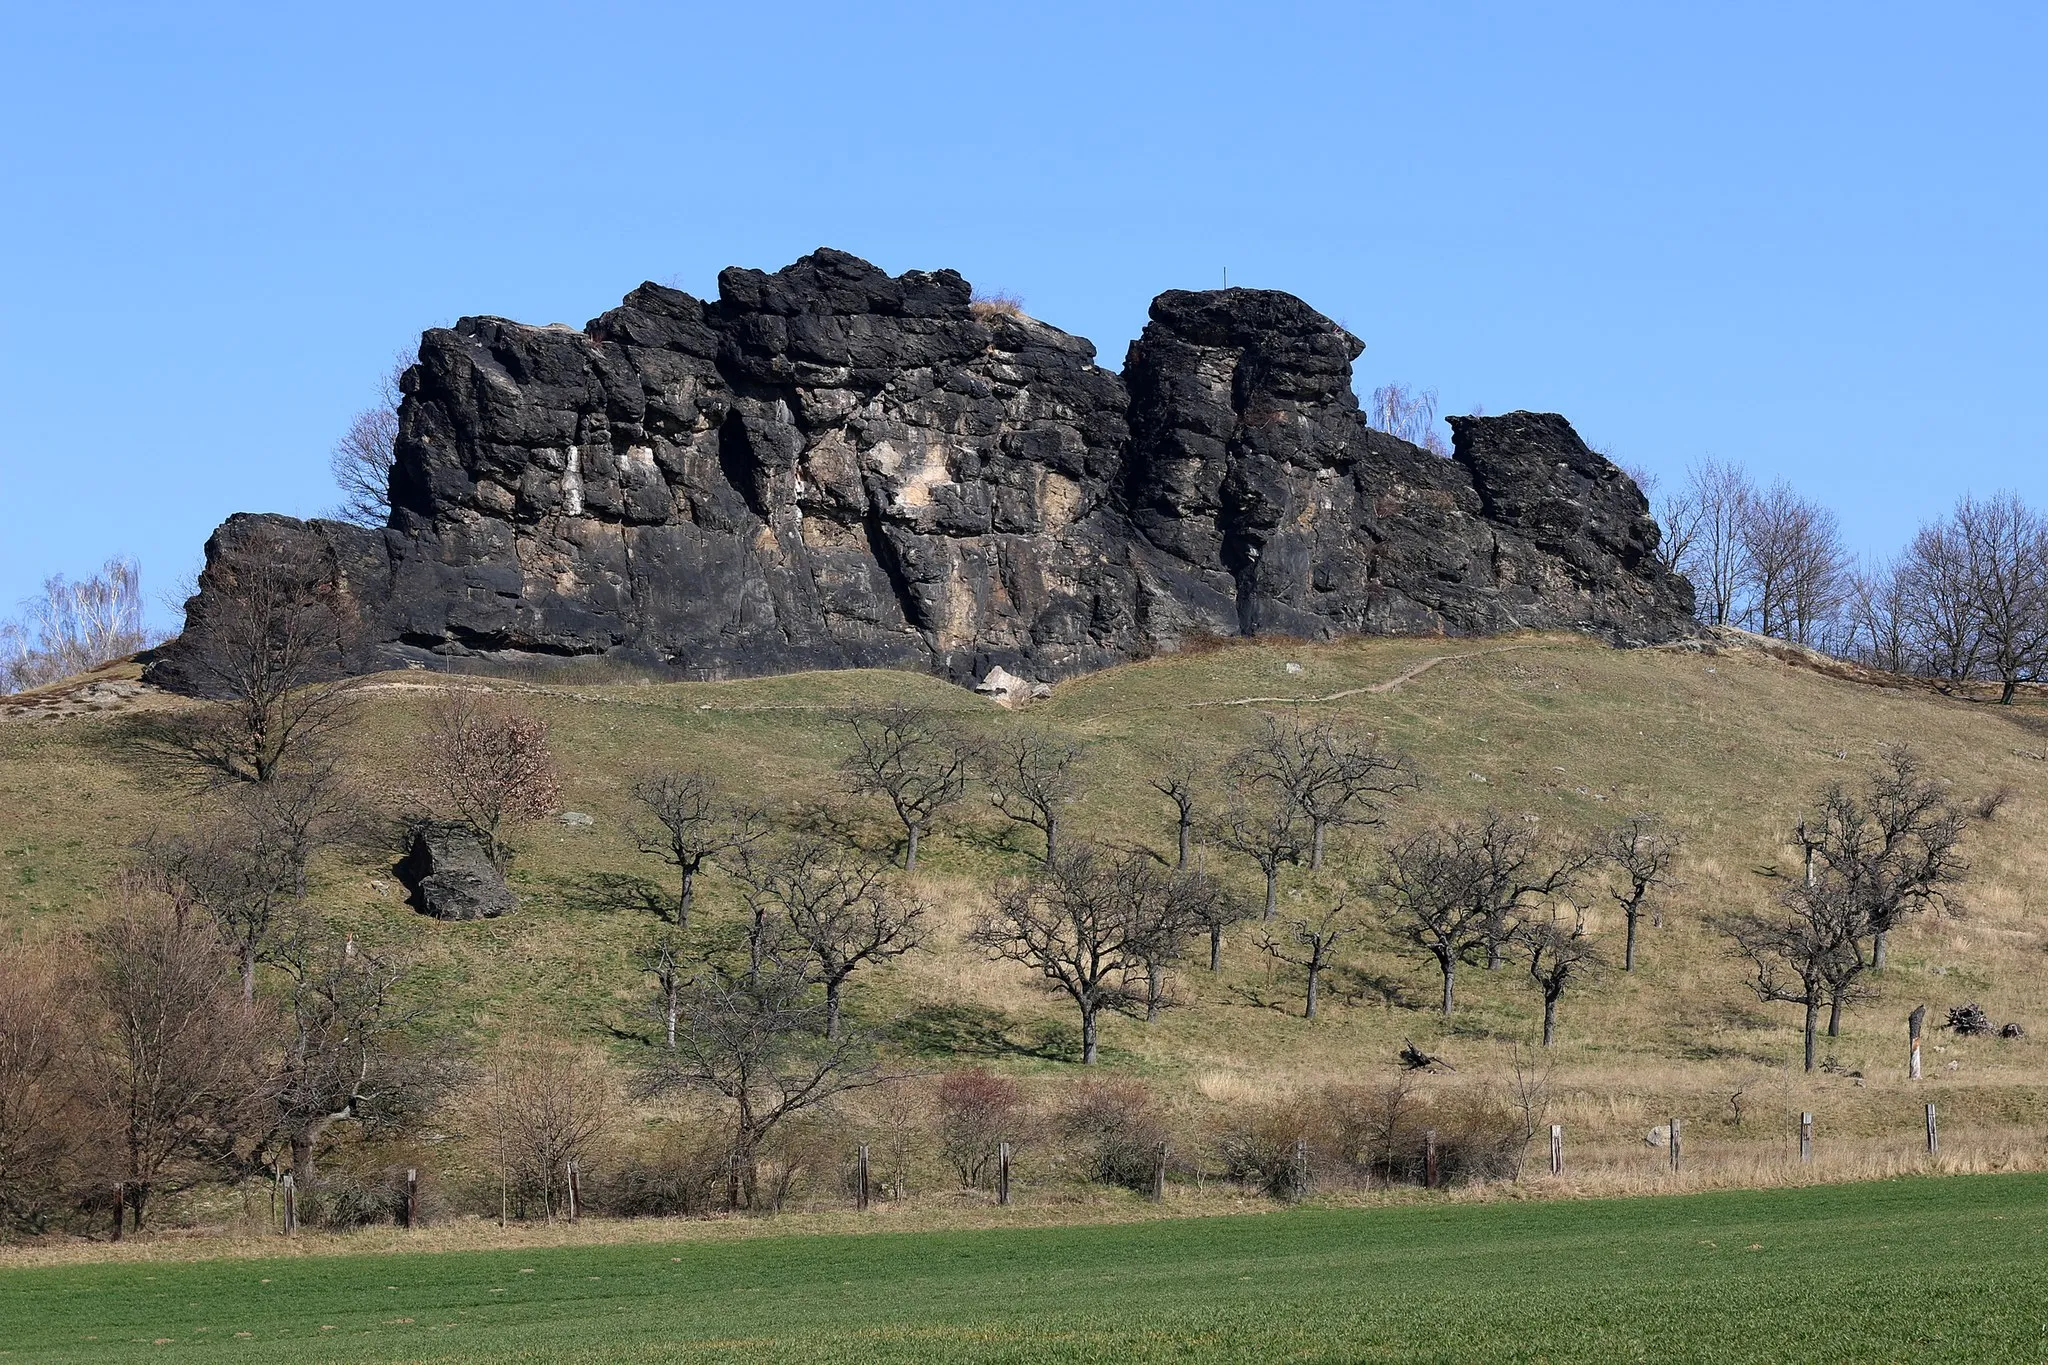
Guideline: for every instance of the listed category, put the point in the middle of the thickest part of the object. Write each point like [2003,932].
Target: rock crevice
[832,467]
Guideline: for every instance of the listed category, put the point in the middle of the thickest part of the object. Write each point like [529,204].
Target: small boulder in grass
[2012,1030]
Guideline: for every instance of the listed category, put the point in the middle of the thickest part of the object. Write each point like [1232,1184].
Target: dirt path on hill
[1370,689]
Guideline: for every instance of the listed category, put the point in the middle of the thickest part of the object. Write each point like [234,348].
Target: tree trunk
[1154,988]
[1215,948]
[674,1009]
[832,1007]
[1835,1015]
[1812,1024]
[1315,857]
[910,852]
[1878,954]
[1052,836]
[1628,953]
[1549,1021]
[1272,892]
[1493,954]
[1087,1035]
[1450,988]
[689,896]
[1186,832]
[2005,693]
[1315,975]
[249,973]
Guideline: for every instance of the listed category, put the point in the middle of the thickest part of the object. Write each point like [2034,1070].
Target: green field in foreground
[1920,1269]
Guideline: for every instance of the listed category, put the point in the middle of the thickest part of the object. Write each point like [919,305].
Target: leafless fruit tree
[911,758]
[1084,925]
[695,823]
[1180,784]
[1640,850]
[487,764]
[1559,954]
[1269,830]
[1331,775]
[44,1127]
[1031,779]
[1310,942]
[835,909]
[1458,891]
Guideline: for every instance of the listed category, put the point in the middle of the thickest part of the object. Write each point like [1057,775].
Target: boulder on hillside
[448,875]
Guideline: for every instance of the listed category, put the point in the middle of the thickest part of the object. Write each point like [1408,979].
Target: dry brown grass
[1729,746]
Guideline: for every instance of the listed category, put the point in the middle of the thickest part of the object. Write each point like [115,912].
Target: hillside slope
[1728,745]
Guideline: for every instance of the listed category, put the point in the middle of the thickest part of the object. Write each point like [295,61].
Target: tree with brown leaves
[487,764]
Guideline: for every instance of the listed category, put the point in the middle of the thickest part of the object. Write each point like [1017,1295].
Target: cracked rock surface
[831,467]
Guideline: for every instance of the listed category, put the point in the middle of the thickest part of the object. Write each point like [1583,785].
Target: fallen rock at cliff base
[449,876]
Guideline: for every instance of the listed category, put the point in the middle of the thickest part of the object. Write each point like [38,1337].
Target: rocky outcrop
[832,467]
[447,874]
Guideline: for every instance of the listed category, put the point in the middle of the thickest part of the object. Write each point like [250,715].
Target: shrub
[977,1111]
[996,304]
[1116,1128]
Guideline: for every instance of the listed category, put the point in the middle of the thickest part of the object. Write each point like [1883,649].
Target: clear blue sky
[1809,238]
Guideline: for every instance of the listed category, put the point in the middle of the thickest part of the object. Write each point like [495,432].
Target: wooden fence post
[1301,1177]
[1003,1174]
[1806,1137]
[1159,1174]
[1429,1160]
[860,1178]
[1557,1149]
[575,1192]
[1933,1134]
[1913,1024]
[1677,1143]
[291,1205]
[412,1196]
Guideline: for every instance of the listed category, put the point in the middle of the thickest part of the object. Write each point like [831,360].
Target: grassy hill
[1728,745]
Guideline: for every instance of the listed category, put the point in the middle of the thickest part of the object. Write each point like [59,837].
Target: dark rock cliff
[830,467]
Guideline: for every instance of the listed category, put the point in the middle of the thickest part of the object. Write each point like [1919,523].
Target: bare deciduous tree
[912,759]
[1640,850]
[695,824]
[362,458]
[487,765]
[245,865]
[43,1124]
[348,1054]
[1453,892]
[172,1060]
[1031,779]
[74,627]
[1268,829]
[836,909]
[1938,603]
[1718,496]
[1795,570]
[1310,942]
[1211,906]
[543,1106]
[2005,553]
[271,635]
[756,1039]
[1407,412]
[1180,784]
[1332,776]
[1083,926]
[1560,953]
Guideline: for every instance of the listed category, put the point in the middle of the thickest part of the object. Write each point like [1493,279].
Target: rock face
[831,467]
[450,876]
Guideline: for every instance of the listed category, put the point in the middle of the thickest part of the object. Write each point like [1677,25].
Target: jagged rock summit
[832,467]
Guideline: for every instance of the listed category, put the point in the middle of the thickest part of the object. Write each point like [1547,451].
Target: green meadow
[1921,1269]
